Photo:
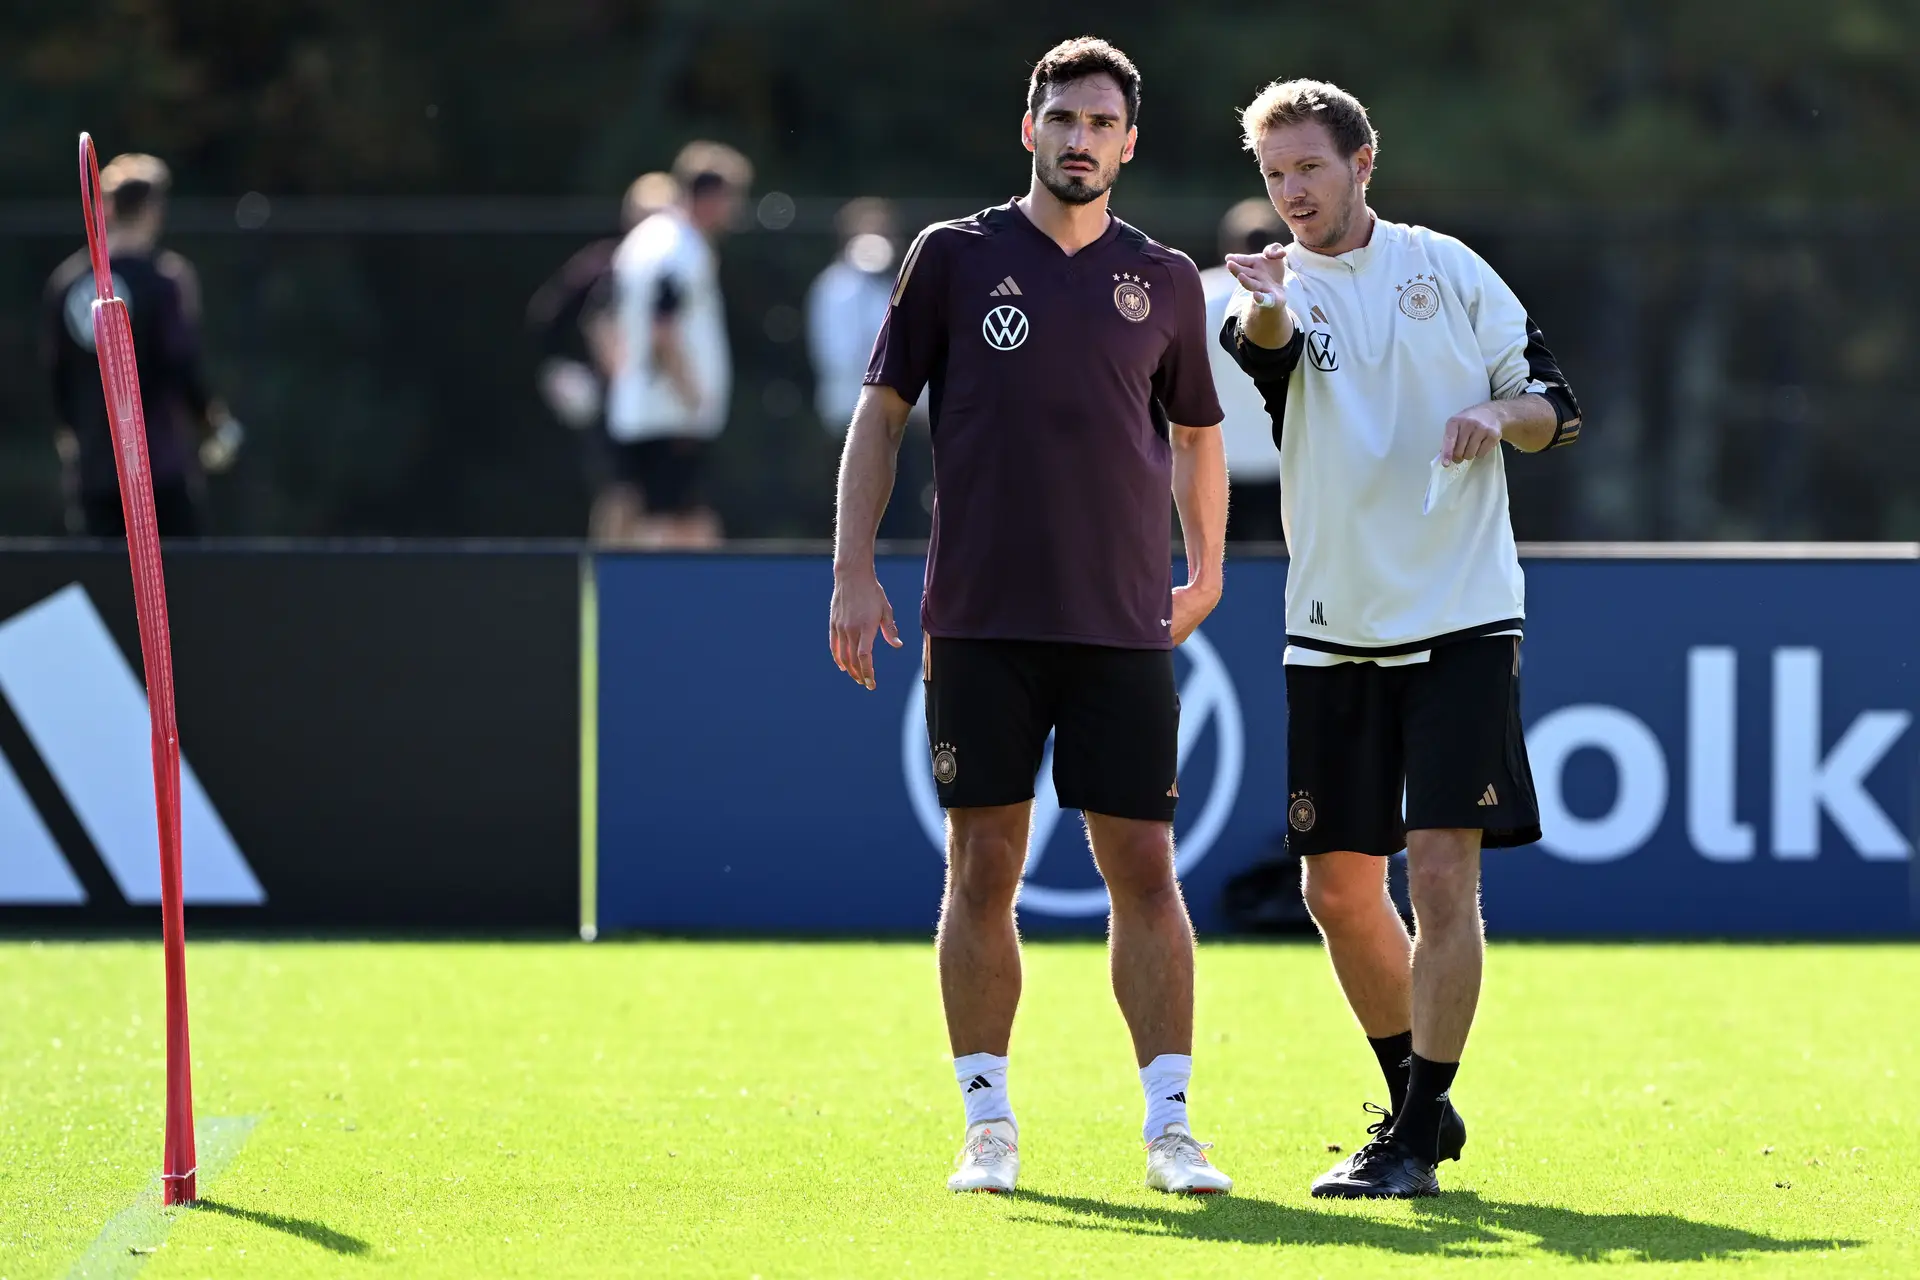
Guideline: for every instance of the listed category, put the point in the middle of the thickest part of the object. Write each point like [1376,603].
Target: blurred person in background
[673,371]
[1253,456]
[845,309]
[189,431]
[573,324]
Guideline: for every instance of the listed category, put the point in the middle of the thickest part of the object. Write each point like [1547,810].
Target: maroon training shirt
[1054,378]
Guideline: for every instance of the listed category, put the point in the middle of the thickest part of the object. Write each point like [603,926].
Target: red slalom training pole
[120,380]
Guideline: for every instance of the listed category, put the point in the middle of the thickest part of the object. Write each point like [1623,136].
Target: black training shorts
[1114,713]
[666,470]
[1446,731]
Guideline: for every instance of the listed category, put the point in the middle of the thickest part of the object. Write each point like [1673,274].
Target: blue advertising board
[1721,748]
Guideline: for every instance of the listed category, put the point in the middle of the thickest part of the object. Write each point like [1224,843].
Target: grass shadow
[1460,1223]
[313,1232]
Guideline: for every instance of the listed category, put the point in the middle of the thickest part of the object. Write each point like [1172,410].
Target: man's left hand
[1191,605]
[1469,434]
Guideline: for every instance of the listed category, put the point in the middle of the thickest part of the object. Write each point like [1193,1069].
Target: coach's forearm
[1200,495]
[1526,422]
[1269,327]
[866,474]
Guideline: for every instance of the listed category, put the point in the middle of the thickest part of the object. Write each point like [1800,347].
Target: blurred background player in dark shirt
[189,431]
[846,305]
[574,327]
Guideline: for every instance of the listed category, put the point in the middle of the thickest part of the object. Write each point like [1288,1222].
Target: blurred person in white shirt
[845,308]
[1253,458]
[573,323]
[673,371]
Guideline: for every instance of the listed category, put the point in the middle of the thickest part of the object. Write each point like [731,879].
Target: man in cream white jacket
[1394,363]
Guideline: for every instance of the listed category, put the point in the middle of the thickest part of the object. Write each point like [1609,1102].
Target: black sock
[1393,1052]
[1418,1123]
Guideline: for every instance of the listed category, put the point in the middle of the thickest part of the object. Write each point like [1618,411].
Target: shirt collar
[1354,261]
[1017,214]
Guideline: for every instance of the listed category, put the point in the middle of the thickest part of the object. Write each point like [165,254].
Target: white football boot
[990,1160]
[1175,1162]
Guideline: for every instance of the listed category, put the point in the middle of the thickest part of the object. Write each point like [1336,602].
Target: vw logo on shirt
[1005,328]
[1320,351]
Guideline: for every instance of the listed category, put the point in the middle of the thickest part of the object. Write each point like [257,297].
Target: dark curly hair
[1078,58]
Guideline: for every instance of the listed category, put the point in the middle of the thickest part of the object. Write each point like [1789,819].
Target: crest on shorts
[946,766]
[1300,814]
[1130,297]
[1419,298]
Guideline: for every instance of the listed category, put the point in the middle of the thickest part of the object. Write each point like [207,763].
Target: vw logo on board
[1005,328]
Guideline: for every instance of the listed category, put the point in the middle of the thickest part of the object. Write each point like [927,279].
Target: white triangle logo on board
[85,712]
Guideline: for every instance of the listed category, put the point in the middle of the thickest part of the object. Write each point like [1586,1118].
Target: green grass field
[789,1110]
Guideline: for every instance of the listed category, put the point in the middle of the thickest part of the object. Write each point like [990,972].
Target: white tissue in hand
[1441,480]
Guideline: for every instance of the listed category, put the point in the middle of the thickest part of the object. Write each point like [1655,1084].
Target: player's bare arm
[1200,495]
[1264,318]
[860,606]
[1526,422]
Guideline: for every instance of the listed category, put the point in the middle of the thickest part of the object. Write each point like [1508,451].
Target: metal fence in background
[1746,374]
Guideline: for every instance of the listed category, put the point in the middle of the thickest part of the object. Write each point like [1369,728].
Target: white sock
[1164,1081]
[983,1088]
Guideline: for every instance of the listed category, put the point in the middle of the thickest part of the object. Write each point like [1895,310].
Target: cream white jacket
[1390,341]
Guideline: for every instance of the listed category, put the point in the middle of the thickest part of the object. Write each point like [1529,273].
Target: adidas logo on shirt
[1006,289]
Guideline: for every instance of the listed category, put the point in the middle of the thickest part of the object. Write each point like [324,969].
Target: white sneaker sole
[966,1186]
[1192,1189]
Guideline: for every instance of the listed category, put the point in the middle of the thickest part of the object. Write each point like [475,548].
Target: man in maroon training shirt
[1070,391]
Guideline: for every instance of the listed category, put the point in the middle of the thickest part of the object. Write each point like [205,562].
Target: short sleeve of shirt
[913,338]
[1184,381]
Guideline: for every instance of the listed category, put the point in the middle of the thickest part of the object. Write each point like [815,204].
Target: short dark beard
[1073,188]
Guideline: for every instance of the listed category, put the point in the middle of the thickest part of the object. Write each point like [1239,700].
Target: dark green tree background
[1622,102]
[1656,176]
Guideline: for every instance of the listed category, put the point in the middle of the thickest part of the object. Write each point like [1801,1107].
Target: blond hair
[649,194]
[1290,102]
[703,166]
[132,181]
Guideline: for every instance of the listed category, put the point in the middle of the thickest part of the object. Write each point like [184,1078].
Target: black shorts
[1114,714]
[667,471]
[1445,733]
